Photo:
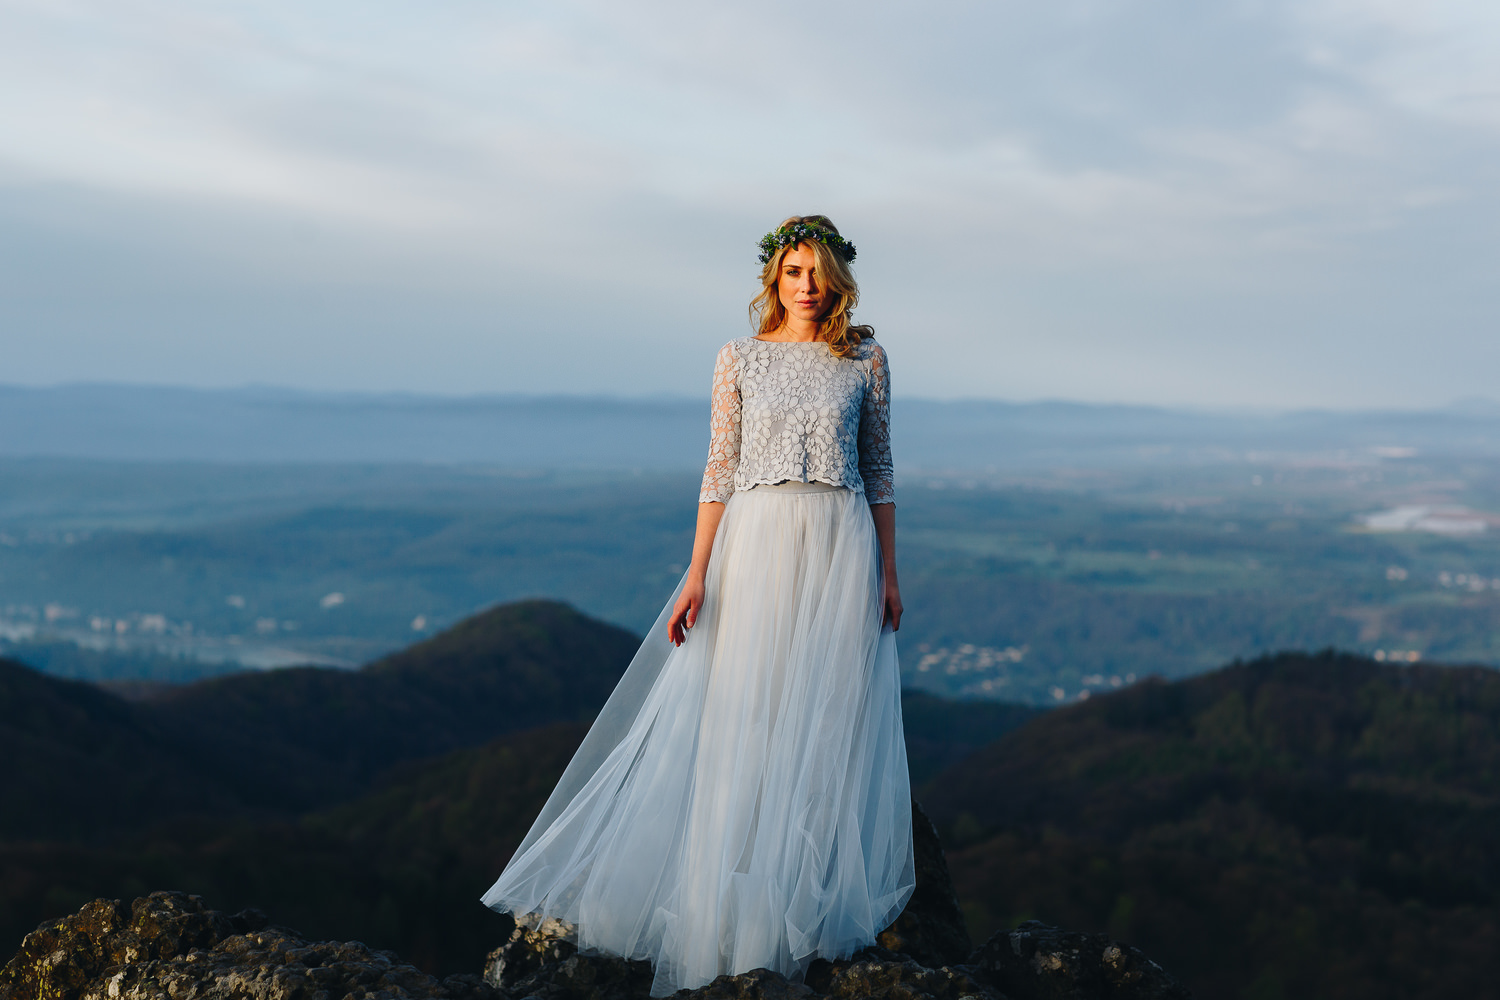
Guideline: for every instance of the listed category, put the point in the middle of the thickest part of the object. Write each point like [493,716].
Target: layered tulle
[742,801]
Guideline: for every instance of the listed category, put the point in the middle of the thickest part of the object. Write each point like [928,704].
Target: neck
[799,330]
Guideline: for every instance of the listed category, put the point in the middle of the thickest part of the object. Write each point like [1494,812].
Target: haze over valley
[1048,551]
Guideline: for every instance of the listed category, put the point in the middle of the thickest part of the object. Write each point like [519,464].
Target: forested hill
[281,742]
[1308,826]
[1300,826]
[318,735]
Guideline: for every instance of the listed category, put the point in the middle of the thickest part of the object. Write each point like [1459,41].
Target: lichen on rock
[169,944]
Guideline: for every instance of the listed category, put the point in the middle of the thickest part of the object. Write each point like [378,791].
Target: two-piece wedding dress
[742,801]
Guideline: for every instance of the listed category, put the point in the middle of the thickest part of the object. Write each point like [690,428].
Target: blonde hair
[767,314]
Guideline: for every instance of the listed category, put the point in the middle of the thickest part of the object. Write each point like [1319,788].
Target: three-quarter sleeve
[875,432]
[724,430]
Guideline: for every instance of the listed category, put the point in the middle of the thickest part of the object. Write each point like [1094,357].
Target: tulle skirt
[742,801]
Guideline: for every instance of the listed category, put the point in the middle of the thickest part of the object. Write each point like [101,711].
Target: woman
[742,800]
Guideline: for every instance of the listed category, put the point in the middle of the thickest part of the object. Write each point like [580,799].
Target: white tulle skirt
[742,801]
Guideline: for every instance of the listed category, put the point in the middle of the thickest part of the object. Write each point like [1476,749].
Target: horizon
[1471,405]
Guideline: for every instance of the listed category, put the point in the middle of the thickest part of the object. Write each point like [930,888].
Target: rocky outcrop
[170,944]
[1032,962]
[1037,962]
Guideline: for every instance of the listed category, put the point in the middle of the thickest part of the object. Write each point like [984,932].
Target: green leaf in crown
[801,232]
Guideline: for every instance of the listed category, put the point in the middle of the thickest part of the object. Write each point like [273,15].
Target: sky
[1272,205]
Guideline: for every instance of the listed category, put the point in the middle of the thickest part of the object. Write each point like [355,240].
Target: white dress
[742,801]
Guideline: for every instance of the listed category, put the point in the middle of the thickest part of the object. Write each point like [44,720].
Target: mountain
[283,742]
[1299,826]
[299,738]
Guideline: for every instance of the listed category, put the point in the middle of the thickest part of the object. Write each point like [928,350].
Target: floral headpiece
[802,232]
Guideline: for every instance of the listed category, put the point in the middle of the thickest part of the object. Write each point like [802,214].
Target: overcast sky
[1269,204]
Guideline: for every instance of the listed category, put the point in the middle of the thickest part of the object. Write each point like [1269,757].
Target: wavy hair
[768,314]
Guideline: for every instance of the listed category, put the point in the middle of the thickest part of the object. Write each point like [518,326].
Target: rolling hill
[1299,826]
[283,742]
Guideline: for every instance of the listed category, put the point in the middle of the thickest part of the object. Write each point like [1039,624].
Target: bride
[742,801]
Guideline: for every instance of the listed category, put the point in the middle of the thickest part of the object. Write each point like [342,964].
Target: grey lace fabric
[794,411]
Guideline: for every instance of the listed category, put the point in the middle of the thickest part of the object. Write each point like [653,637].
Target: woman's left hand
[892,604]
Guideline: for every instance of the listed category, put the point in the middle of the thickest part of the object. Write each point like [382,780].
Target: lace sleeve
[875,432]
[723,430]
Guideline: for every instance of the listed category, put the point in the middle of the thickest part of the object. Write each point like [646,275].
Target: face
[802,290]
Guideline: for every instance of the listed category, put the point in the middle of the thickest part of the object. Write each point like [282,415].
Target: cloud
[1157,200]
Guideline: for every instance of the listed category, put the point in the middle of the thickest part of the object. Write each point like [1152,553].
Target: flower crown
[802,232]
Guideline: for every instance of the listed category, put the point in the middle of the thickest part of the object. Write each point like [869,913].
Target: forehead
[800,256]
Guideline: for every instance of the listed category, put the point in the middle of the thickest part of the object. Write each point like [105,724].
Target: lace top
[792,410]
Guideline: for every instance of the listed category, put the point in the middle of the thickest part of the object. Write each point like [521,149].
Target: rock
[1037,962]
[890,977]
[169,944]
[587,977]
[931,930]
[61,957]
[533,943]
[761,984]
[540,960]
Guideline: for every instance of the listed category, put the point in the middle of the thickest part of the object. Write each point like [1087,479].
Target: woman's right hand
[685,611]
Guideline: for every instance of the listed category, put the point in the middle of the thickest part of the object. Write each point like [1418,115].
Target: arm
[685,611]
[875,432]
[884,516]
[876,470]
[718,487]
